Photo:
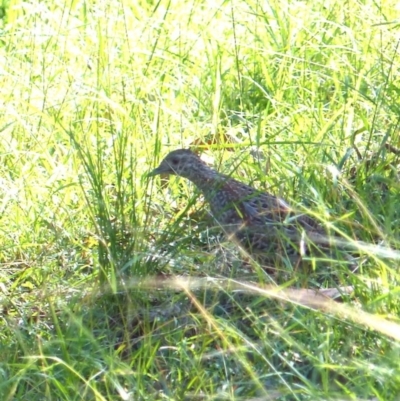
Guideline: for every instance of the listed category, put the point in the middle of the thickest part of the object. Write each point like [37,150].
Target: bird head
[181,162]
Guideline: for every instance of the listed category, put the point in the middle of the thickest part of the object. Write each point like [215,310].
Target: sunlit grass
[115,286]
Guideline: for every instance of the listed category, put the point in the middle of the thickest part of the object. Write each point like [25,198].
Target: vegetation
[299,98]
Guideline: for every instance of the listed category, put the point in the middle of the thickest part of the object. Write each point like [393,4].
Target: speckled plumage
[262,224]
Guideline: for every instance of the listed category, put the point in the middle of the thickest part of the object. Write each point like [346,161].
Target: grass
[298,98]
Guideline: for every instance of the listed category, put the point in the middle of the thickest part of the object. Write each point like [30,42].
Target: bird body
[262,224]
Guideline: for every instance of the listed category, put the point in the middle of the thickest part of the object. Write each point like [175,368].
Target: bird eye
[174,161]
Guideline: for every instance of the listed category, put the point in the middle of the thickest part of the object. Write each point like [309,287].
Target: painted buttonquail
[265,226]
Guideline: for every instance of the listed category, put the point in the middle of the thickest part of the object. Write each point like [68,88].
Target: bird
[263,225]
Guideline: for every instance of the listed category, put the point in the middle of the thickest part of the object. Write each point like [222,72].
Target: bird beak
[161,169]
[155,172]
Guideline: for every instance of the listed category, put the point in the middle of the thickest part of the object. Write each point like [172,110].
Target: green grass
[93,95]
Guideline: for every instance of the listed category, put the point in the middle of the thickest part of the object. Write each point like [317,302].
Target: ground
[115,286]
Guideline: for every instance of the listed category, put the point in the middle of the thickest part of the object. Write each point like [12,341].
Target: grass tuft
[117,287]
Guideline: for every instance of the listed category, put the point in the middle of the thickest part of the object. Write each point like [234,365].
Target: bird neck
[206,179]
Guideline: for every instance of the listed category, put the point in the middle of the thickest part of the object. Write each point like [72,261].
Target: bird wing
[261,208]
